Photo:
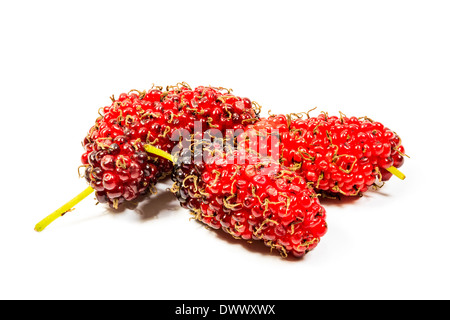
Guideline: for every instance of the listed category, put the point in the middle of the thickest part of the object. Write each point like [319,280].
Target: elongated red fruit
[335,154]
[250,198]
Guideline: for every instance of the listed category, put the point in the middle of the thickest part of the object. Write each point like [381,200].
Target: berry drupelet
[250,198]
[336,155]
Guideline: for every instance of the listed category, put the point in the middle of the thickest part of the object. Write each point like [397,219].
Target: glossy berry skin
[117,166]
[251,199]
[336,155]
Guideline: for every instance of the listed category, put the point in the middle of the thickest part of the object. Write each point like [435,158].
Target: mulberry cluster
[262,184]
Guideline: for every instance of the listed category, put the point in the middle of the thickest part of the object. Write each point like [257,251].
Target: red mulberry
[250,198]
[336,155]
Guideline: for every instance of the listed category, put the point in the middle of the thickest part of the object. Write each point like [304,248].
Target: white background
[60,62]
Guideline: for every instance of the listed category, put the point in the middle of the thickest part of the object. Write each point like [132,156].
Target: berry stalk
[41,225]
[396,172]
[151,149]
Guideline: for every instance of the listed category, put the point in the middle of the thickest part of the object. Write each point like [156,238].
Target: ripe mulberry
[249,197]
[335,154]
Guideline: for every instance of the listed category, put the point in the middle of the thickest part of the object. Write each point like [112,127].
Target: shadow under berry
[253,246]
[149,206]
[342,200]
[152,206]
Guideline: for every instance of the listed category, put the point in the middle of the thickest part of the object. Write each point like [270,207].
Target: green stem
[61,211]
[158,152]
[396,172]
